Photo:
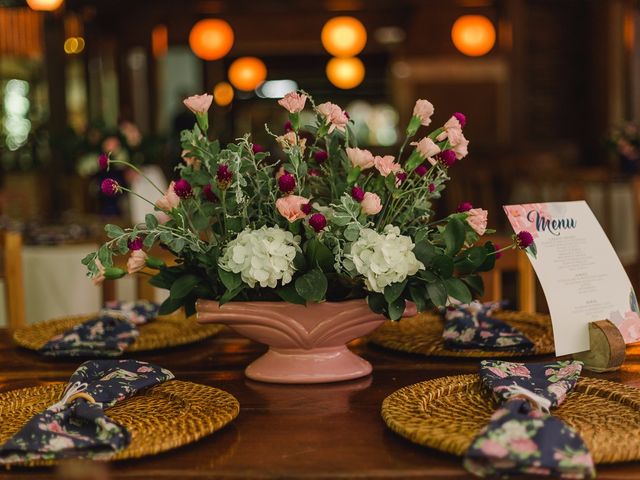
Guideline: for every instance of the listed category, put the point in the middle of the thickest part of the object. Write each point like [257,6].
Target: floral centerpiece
[326,222]
[624,140]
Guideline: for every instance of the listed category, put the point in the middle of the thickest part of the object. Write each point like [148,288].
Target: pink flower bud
[199,103]
[136,261]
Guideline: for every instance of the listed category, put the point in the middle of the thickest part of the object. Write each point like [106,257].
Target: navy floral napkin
[472,326]
[522,437]
[76,426]
[107,335]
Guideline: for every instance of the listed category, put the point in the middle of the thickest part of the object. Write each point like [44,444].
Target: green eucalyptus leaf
[454,235]
[424,252]
[183,285]
[377,303]
[113,231]
[437,293]
[312,286]
[442,266]
[229,279]
[419,296]
[475,283]
[170,305]
[151,221]
[392,292]
[457,289]
[396,308]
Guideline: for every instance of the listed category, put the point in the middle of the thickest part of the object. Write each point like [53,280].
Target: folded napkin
[522,437]
[108,334]
[472,326]
[76,426]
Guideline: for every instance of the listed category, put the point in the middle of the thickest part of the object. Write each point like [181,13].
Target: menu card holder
[607,350]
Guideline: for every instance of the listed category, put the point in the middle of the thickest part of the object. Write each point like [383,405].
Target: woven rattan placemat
[423,334]
[447,413]
[163,332]
[164,417]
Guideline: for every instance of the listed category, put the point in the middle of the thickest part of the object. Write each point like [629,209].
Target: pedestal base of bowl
[318,365]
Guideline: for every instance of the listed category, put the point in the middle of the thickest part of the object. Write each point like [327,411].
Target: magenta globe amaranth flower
[401,177]
[524,239]
[498,254]
[447,157]
[208,194]
[224,176]
[318,221]
[321,156]
[432,187]
[257,148]
[357,193]
[110,187]
[421,170]
[464,207]
[461,117]
[314,172]
[288,127]
[287,183]
[135,244]
[306,208]
[183,188]
[103,161]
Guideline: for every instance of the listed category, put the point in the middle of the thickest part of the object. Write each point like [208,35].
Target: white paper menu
[581,275]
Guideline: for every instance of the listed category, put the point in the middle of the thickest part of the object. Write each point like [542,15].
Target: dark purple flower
[464,207]
[462,118]
[498,254]
[287,183]
[224,175]
[183,188]
[135,244]
[257,148]
[314,172]
[208,194]
[306,208]
[357,193]
[318,222]
[103,161]
[110,187]
[432,187]
[524,239]
[321,156]
[288,127]
[401,177]
[447,157]
[421,170]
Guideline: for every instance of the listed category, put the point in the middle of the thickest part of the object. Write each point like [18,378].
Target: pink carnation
[169,200]
[99,278]
[423,109]
[386,165]
[334,115]
[427,149]
[136,261]
[360,158]
[293,101]
[290,207]
[477,219]
[199,103]
[371,204]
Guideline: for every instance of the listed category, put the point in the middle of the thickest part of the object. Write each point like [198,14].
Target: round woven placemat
[163,332]
[423,334]
[447,413]
[164,417]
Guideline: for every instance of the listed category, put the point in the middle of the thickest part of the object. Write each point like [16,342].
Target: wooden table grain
[329,431]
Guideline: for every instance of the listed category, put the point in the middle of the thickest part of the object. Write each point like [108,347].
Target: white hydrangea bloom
[262,256]
[385,258]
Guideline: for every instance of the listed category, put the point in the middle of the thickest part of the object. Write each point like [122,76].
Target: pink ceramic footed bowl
[307,344]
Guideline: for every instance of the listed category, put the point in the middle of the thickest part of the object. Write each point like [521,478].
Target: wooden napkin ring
[84,395]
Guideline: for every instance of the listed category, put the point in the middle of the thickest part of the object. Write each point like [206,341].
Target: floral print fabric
[522,437]
[79,428]
[107,335]
[472,326]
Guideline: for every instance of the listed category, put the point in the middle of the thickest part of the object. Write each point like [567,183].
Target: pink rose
[169,200]
[493,449]
[136,261]
[99,278]
[360,158]
[293,101]
[477,219]
[386,165]
[290,207]
[427,149]
[371,204]
[334,115]
[199,103]
[423,109]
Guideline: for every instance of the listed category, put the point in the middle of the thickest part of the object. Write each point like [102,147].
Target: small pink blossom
[427,149]
[371,204]
[360,158]
[333,115]
[423,109]
[136,261]
[386,165]
[493,449]
[169,200]
[199,103]
[293,102]
[477,219]
[99,278]
[290,207]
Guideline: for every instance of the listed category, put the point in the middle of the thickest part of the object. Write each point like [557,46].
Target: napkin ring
[83,395]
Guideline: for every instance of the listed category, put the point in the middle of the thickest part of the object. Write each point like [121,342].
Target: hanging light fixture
[211,39]
[344,36]
[44,5]
[345,73]
[223,94]
[473,35]
[246,73]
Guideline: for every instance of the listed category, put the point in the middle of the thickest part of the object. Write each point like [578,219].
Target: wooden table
[331,431]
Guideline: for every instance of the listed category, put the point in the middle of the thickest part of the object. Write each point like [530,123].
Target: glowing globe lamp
[343,36]
[211,39]
[473,35]
[246,73]
[44,5]
[223,94]
[345,73]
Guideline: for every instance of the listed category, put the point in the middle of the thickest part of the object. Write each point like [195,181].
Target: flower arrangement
[328,221]
[624,140]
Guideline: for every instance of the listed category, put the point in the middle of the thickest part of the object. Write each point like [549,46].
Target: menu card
[581,275]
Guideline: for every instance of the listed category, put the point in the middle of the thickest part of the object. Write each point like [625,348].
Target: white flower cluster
[263,256]
[385,258]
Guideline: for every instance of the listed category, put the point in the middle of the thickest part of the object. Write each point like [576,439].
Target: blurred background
[551,91]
